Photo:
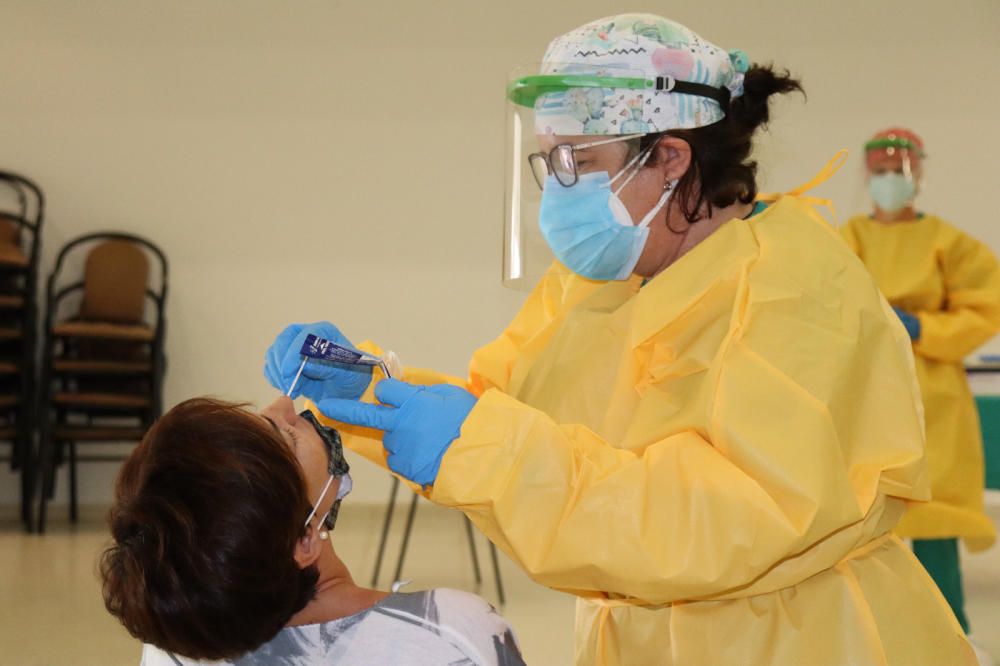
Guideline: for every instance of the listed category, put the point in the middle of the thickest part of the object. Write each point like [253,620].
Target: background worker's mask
[589,228]
[891,192]
[893,158]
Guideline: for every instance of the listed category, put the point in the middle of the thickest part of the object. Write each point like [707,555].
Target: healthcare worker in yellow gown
[704,421]
[945,287]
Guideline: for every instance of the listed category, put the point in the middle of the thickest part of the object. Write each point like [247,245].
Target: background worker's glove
[320,379]
[911,323]
[420,423]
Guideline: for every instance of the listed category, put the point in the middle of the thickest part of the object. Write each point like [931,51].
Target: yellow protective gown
[713,462]
[951,282]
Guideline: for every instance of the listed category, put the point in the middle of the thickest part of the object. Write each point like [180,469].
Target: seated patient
[221,551]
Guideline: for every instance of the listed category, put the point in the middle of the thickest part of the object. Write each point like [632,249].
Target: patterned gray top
[439,627]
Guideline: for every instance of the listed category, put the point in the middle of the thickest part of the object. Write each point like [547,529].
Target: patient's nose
[281,411]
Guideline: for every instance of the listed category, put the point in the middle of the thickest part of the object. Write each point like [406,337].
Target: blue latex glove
[420,423]
[911,323]
[320,379]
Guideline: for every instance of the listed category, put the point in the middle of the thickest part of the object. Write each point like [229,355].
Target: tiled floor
[51,612]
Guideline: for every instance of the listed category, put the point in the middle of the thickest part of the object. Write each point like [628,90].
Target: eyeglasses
[561,161]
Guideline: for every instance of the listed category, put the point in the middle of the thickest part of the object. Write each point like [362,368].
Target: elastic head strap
[669,84]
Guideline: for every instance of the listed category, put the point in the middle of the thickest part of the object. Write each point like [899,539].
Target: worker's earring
[667,187]
[324,535]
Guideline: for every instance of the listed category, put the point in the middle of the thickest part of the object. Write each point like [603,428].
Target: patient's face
[300,436]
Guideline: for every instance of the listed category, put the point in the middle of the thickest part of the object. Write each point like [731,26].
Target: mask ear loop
[638,161]
[668,189]
[323,534]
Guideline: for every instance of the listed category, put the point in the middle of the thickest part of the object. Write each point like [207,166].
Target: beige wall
[344,160]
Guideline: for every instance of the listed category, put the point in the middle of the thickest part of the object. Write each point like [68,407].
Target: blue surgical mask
[891,192]
[589,229]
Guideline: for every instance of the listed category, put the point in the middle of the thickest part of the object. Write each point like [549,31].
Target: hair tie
[740,61]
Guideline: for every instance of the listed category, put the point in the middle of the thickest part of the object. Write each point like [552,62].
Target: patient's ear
[308,548]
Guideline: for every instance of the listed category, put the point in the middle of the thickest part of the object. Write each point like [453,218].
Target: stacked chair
[103,361]
[22,208]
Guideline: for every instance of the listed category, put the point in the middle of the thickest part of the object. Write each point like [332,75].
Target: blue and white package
[325,350]
[322,349]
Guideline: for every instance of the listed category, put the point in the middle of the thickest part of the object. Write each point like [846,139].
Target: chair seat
[75,367]
[11,256]
[98,433]
[10,333]
[8,368]
[9,400]
[107,400]
[104,330]
[11,302]
[8,433]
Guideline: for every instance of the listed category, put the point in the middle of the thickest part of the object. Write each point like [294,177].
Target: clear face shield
[894,169]
[564,126]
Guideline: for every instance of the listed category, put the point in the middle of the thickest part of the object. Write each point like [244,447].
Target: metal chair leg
[49,482]
[45,466]
[472,549]
[74,513]
[27,485]
[496,574]
[385,530]
[56,451]
[15,448]
[406,538]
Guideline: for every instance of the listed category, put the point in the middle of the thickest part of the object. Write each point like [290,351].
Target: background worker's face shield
[894,167]
[562,124]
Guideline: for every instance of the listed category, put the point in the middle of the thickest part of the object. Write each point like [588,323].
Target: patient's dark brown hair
[206,516]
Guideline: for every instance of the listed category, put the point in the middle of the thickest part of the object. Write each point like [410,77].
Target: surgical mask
[336,466]
[891,192]
[588,227]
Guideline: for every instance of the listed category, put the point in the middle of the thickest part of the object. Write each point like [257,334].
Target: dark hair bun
[722,171]
[751,110]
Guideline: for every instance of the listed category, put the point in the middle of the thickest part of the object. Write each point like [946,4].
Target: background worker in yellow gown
[704,421]
[945,287]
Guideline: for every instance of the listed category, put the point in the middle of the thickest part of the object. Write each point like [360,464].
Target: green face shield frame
[526,90]
[897,142]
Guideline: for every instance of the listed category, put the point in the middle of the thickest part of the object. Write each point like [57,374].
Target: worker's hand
[911,323]
[320,379]
[420,423]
